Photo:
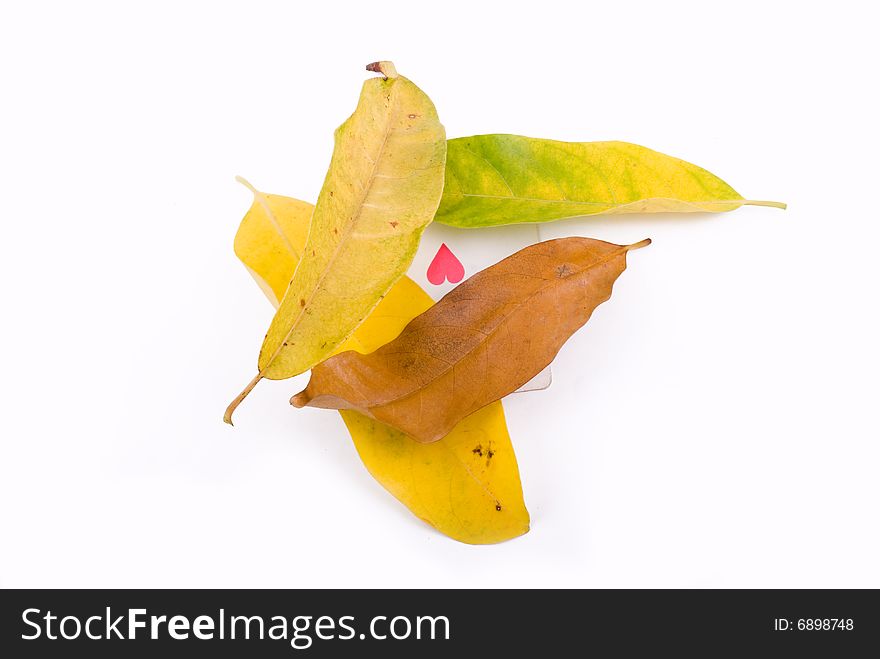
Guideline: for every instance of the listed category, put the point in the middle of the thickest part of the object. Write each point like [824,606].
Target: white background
[715,424]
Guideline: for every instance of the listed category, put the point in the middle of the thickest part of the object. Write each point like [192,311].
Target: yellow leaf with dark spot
[466,485]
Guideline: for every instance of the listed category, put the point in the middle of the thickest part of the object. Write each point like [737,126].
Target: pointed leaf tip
[246,183]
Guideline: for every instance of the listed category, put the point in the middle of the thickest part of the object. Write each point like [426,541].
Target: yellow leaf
[381,191]
[467,484]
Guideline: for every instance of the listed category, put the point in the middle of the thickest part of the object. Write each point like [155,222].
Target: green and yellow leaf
[505,179]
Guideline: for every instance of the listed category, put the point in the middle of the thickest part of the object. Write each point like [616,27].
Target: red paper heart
[445,266]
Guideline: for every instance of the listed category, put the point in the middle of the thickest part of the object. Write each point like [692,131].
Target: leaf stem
[385,68]
[771,204]
[227,416]
[638,245]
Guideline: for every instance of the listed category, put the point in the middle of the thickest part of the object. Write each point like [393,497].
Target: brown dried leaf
[482,341]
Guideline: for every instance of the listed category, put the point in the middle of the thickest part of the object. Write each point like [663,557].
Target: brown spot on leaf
[394,224]
[302,302]
[478,450]
[412,116]
[563,271]
[498,506]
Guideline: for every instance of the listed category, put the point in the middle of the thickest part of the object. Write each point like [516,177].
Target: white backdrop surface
[715,424]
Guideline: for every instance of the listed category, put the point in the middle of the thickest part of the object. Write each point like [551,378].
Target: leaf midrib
[620,250]
[345,236]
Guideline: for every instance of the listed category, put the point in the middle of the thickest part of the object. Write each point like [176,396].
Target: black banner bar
[428,623]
